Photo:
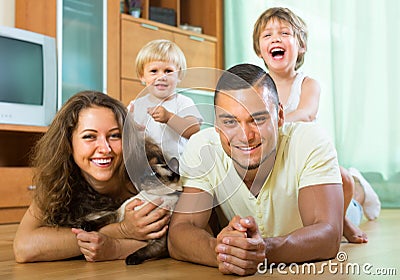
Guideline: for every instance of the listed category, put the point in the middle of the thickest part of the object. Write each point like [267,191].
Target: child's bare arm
[309,102]
[185,126]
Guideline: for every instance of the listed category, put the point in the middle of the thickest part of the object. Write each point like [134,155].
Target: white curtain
[365,72]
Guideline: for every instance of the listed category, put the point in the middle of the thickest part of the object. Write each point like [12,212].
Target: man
[277,184]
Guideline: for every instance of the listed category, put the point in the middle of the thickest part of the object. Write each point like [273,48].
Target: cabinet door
[15,193]
[198,51]
[134,35]
[82,47]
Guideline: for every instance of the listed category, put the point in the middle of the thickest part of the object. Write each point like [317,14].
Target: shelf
[17,142]
[23,128]
[205,14]
[163,26]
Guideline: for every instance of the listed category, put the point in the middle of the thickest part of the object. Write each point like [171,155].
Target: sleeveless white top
[295,92]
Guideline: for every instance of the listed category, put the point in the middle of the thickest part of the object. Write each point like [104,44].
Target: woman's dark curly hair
[62,194]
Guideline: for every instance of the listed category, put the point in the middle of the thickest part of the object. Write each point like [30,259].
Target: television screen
[21,72]
[28,77]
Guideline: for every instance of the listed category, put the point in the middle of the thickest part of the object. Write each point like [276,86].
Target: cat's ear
[173,164]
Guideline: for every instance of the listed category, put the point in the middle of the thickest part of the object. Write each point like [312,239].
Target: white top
[295,92]
[171,142]
[205,165]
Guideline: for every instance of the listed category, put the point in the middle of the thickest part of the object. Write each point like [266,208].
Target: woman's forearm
[126,247]
[114,230]
[45,244]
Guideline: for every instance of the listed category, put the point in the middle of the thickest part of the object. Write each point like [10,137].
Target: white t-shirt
[305,157]
[171,143]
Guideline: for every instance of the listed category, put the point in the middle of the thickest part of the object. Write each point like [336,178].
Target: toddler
[167,117]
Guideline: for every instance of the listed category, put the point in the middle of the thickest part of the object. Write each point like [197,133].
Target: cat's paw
[133,259]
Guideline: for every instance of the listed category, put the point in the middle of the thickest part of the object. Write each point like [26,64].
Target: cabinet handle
[196,38]
[152,27]
[31,188]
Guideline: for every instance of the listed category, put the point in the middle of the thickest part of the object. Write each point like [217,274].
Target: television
[28,77]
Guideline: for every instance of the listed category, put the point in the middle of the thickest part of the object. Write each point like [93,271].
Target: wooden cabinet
[206,14]
[199,51]
[16,188]
[37,16]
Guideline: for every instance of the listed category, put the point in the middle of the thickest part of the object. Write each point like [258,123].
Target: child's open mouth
[277,52]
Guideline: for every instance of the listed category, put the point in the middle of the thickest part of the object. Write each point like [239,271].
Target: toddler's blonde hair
[160,50]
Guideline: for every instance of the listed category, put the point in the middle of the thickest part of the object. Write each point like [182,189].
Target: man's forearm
[314,242]
[189,243]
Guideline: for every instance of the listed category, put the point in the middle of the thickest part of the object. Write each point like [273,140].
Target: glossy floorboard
[381,255]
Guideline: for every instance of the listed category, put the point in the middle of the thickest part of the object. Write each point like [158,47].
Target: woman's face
[97,147]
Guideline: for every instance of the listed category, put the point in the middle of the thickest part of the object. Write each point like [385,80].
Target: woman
[80,170]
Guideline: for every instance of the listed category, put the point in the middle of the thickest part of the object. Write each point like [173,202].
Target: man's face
[248,125]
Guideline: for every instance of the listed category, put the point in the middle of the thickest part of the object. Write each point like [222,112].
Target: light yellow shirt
[305,157]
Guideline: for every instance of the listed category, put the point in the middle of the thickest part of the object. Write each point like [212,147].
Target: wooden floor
[381,255]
